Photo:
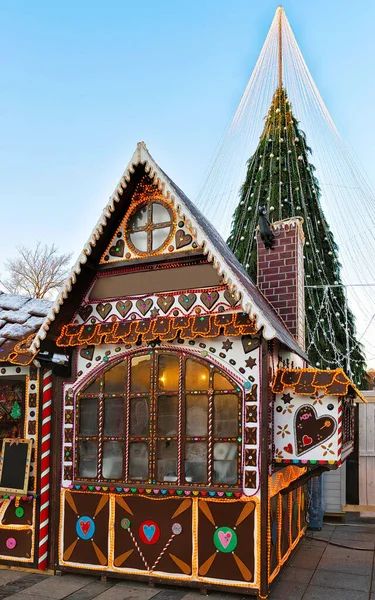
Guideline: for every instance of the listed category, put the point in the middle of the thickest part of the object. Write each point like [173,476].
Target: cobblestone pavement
[318,570]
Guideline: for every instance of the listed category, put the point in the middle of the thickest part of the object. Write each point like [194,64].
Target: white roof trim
[142,155]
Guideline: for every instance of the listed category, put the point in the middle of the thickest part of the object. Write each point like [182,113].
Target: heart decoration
[307,440]
[187,300]
[183,239]
[85,526]
[85,311]
[250,342]
[118,249]
[104,309]
[149,532]
[87,352]
[123,307]
[165,303]
[230,298]
[144,305]
[225,538]
[311,430]
[209,299]
[289,449]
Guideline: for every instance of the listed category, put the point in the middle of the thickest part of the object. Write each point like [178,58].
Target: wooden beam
[359,508]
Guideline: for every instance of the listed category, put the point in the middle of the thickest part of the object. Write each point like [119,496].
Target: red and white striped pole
[45,470]
[339,433]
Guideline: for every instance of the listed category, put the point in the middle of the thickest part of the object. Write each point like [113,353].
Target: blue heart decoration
[149,531]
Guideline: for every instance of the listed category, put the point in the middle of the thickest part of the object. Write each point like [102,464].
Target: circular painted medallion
[225,539]
[85,528]
[176,528]
[149,532]
[11,543]
[125,523]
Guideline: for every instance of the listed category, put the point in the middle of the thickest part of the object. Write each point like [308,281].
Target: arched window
[160,418]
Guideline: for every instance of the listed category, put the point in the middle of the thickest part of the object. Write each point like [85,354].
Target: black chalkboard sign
[15,465]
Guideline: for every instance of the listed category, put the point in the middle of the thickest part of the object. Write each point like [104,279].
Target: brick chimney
[281,274]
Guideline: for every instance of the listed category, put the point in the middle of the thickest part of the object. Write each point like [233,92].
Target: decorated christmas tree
[281,177]
[16,411]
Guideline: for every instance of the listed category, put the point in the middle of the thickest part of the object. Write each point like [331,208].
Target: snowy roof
[20,319]
[226,264]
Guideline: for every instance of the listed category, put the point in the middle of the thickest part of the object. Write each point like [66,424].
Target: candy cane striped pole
[339,433]
[45,470]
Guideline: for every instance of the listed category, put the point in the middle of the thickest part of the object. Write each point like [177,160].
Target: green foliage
[281,178]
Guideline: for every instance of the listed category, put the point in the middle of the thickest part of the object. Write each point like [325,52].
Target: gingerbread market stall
[170,465]
[25,399]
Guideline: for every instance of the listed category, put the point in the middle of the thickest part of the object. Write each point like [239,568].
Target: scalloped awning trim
[308,382]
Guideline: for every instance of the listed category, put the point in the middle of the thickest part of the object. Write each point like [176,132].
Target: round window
[150,227]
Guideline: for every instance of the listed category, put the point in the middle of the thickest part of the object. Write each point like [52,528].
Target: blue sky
[83,81]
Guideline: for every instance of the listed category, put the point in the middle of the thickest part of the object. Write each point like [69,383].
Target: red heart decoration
[306,440]
[289,449]
[310,429]
[85,526]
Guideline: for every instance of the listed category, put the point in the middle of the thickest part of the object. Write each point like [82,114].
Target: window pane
[114,416]
[225,415]
[222,383]
[139,219]
[225,462]
[88,459]
[88,416]
[112,460]
[139,426]
[167,416]
[159,213]
[196,462]
[139,240]
[138,460]
[168,372]
[114,380]
[197,375]
[167,461]
[159,236]
[93,388]
[196,415]
[140,374]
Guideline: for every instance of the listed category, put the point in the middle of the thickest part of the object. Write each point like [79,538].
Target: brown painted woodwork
[93,551]
[155,281]
[212,515]
[10,517]
[164,512]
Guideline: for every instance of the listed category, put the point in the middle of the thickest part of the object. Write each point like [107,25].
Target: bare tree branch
[36,272]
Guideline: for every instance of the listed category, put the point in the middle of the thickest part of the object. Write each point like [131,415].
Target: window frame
[150,226]
[153,437]
[21,423]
